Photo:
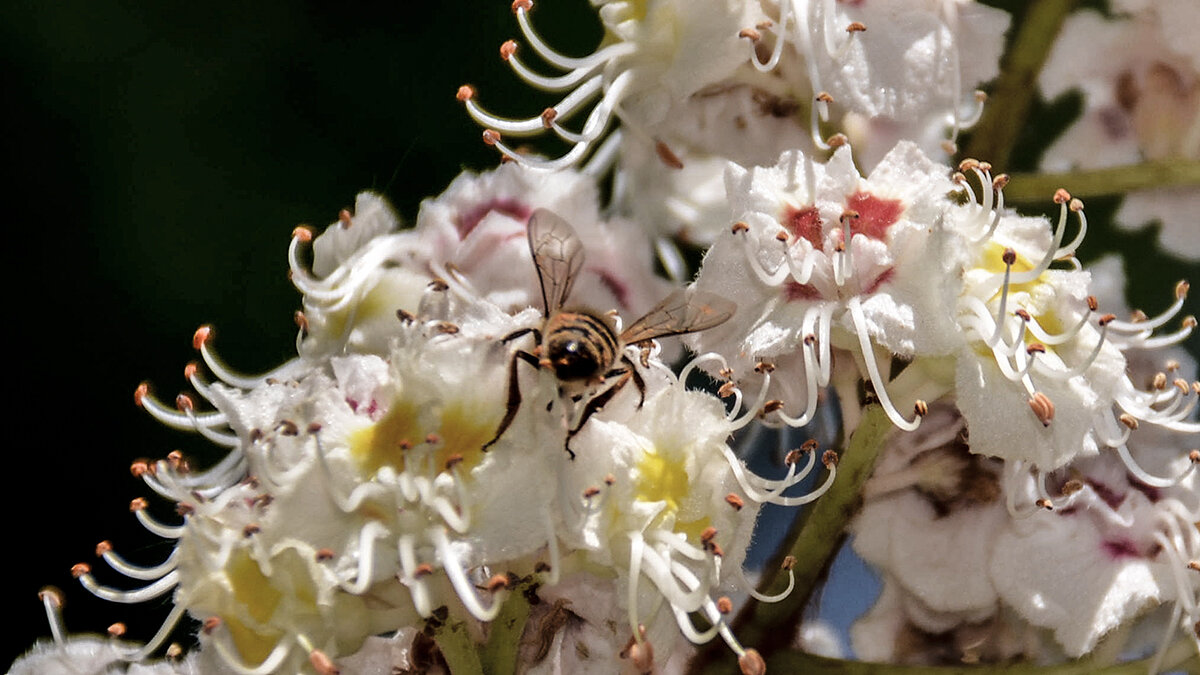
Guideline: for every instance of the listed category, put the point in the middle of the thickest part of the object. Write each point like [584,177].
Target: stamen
[52,601]
[868,354]
[104,550]
[458,578]
[82,572]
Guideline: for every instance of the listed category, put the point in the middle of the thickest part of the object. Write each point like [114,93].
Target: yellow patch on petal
[459,428]
[663,479]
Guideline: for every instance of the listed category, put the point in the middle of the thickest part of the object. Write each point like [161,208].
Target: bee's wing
[684,311]
[558,256]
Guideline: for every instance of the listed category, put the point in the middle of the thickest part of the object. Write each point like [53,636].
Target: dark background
[160,155]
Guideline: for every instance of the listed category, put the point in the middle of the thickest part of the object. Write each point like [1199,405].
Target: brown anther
[750,34]
[1072,486]
[1000,182]
[1181,290]
[345,218]
[810,445]
[781,235]
[522,4]
[724,604]
[103,547]
[716,549]
[739,226]
[184,509]
[404,444]
[1061,196]
[491,136]
[771,406]
[1194,456]
[211,624]
[80,569]
[667,156]
[921,408]
[251,530]
[590,492]
[454,460]
[190,370]
[789,561]
[968,164]
[1188,322]
[642,656]
[548,117]
[322,663]
[1194,565]
[174,651]
[764,367]
[1044,503]
[764,24]
[437,285]
[856,27]
[1196,387]
[302,233]
[405,317]
[793,456]
[1035,348]
[734,501]
[498,582]
[176,460]
[139,467]
[958,177]
[140,394]
[1075,205]
[1129,421]
[445,328]
[609,479]
[829,459]
[1106,319]
[465,93]
[184,403]
[1043,407]
[725,373]
[137,504]
[1009,257]
[507,49]
[1092,303]
[751,663]
[324,554]
[116,630]
[824,97]
[837,140]
[708,534]
[1137,316]
[1160,382]
[985,166]
[313,428]
[423,570]
[202,335]
[51,594]
[288,428]
[810,340]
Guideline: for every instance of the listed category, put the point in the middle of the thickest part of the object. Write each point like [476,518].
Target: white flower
[1140,77]
[803,293]
[468,244]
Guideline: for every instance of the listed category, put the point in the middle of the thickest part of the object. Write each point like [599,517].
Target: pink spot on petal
[884,277]
[467,220]
[1120,548]
[615,286]
[1107,494]
[793,291]
[353,404]
[803,223]
[875,215]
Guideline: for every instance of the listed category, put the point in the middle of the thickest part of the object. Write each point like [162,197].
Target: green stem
[769,627]
[457,647]
[1180,656]
[499,653]
[1034,188]
[993,138]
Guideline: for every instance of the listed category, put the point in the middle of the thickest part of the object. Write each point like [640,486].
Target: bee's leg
[596,404]
[514,393]
[637,381]
[537,335]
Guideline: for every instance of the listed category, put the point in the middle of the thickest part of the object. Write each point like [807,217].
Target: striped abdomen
[579,346]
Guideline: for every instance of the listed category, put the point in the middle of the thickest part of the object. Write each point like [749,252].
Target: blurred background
[160,156]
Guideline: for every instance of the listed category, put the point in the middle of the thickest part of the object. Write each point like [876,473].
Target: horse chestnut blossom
[477,462]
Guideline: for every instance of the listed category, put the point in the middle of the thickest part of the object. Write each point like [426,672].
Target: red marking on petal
[880,280]
[1107,494]
[1121,548]
[793,291]
[512,208]
[804,223]
[615,286]
[875,215]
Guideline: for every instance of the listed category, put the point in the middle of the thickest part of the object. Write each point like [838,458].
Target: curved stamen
[132,571]
[1141,475]
[412,576]
[458,579]
[596,60]
[231,657]
[537,124]
[148,592]
[868,354]
[366,558]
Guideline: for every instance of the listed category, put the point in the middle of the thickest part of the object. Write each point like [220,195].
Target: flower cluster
[482,458]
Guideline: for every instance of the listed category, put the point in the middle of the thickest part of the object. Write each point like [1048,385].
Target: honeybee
[579,345]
